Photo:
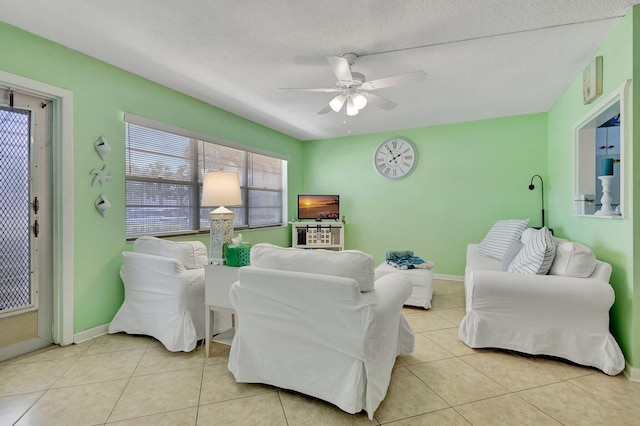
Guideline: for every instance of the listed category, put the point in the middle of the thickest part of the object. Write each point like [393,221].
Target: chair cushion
[501,234]
[536,256]
[192,254]
[573,260]
[353,264]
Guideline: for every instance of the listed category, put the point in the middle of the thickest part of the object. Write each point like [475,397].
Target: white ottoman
[421,284]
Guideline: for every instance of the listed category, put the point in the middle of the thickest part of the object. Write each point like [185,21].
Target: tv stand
[317,235]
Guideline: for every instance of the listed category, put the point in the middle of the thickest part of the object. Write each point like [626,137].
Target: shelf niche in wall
[596,129]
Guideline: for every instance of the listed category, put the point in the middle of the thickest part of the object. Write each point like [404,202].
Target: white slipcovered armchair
[316,322]
[163,292]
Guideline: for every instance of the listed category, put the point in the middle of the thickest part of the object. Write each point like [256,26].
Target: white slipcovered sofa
[564,313]
[316,322]
[163,292]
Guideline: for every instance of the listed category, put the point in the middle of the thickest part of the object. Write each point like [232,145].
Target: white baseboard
[457,278]
[91,333]
[632,373]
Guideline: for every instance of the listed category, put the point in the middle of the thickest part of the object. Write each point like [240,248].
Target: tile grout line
[124,388]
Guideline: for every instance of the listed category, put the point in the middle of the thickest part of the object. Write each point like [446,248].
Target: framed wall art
[592,80]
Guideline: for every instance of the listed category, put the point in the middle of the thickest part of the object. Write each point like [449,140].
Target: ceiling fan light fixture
[351,108]
[352,90]
[337,102]
[359,101]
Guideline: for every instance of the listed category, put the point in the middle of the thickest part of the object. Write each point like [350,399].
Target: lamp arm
[531,186]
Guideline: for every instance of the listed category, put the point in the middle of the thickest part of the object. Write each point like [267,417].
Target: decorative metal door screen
[16,291]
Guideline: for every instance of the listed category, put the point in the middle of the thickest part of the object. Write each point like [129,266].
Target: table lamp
[220,189]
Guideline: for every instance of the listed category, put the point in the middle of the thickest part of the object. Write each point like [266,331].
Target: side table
[217,283]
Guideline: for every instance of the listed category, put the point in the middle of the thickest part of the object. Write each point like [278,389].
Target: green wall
[468,176]
[102,93]
[611,240]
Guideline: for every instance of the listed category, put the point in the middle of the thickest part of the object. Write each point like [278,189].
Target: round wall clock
[395,158]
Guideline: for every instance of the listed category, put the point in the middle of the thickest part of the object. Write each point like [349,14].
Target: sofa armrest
[587,293]
[602,271]
[386,301]
[391,291]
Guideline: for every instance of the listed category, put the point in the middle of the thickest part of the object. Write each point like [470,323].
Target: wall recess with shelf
[599,147]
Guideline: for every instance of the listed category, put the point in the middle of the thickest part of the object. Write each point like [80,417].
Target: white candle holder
[606,199]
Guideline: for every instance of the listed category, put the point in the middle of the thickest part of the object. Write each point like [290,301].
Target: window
[164,174]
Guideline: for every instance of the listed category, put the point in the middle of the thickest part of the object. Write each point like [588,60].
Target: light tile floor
[129,380]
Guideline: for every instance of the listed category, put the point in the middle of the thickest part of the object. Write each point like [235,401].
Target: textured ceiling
[483,58]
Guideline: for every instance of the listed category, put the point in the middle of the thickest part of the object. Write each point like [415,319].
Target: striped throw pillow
[536,257]
[500,236]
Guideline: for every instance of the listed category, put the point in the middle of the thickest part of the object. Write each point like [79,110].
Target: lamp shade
[221,189]
[351,108]
[359,101]
[337,102]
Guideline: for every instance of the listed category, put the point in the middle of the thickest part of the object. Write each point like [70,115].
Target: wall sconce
[219,189]
[532,187]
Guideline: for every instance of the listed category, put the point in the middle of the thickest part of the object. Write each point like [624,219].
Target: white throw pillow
[573,260]
[537,255]
[501,234]
[353,264]
[192,254]
[527,234]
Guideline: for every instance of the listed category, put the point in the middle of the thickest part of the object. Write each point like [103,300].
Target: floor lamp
[532,187]
[220,189]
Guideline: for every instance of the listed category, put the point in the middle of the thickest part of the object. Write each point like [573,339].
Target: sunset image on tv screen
[318,206]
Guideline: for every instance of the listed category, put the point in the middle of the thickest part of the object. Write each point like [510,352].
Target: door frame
[62,194]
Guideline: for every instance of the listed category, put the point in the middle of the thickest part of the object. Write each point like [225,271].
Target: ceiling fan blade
[396,80]
[325,110]
[379,101]
[340,67]
[319,89]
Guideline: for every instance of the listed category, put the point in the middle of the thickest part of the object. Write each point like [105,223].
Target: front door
[26,302]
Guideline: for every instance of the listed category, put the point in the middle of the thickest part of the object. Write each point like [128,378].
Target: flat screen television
[318,207]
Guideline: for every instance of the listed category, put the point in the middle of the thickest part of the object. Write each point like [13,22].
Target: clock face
[395,158]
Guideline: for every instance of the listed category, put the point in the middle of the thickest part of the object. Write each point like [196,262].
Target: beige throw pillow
[573,260]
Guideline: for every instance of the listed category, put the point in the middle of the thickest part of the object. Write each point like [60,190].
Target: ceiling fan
[355,91]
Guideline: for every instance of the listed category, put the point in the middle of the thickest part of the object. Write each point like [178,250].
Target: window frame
[196,184]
